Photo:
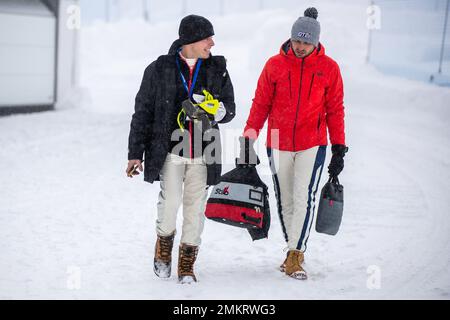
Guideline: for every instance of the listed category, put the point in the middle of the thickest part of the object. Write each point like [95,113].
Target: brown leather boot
[293,265]
[283,265]
[186,258]
[162,263]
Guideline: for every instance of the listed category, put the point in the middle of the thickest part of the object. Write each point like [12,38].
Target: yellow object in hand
[181,114]
[210,105]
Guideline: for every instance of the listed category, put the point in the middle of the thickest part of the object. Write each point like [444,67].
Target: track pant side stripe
[276,185]
[320,159]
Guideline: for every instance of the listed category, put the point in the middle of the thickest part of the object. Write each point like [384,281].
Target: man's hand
[210,105]
[337,160]
[207,103]
[133,165]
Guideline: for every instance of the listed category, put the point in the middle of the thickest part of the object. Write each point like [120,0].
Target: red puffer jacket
[301,98]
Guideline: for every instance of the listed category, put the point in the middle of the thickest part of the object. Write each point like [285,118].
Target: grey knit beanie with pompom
[307,28]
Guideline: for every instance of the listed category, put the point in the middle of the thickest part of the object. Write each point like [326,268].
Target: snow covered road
[72,226]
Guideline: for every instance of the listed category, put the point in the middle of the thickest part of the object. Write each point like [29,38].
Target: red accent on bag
[234,214]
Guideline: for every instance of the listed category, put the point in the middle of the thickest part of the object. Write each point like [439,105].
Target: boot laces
[295,257]
[166,244]
[187,260]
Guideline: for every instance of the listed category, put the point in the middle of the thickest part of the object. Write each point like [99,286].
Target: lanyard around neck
[190,89]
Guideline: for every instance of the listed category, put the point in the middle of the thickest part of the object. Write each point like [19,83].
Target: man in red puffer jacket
[300,93]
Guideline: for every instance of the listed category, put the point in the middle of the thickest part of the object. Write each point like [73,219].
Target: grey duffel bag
[331,205]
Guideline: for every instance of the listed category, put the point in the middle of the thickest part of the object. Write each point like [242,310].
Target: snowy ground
[72,226]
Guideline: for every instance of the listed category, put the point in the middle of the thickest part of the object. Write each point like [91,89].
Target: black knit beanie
[194,28]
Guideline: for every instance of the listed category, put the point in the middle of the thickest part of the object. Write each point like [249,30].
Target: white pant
[176,171]
[296,177]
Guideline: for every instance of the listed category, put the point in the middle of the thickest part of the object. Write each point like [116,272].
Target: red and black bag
[241,199]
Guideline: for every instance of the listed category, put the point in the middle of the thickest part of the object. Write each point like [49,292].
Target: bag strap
[334,180]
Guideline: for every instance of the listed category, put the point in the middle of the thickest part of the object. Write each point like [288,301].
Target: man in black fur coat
[170,144]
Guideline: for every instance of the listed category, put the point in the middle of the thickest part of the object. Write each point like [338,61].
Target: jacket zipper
[318,123]
[298,104]
[310,86]
[191,131]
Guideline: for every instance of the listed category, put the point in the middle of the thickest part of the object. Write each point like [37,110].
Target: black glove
[247,154]
[195,113]
[337,160]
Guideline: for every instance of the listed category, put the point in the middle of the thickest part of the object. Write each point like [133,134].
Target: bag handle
[334,180]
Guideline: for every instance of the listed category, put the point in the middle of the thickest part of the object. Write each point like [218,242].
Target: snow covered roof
[28,7]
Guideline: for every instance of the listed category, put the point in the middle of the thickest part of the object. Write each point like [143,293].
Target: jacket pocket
[310,86]
[290,85]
